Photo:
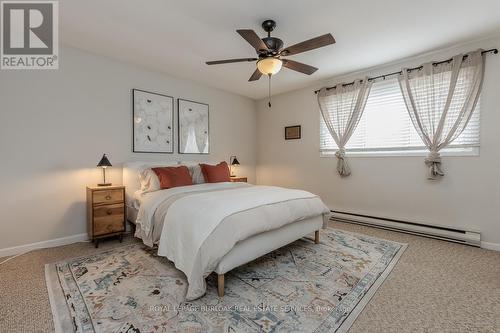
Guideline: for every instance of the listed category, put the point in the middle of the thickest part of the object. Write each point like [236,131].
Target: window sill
[454,152]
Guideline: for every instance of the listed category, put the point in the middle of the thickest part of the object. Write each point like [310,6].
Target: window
[386,127]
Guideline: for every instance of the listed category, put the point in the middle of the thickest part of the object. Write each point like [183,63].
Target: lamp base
[104,184]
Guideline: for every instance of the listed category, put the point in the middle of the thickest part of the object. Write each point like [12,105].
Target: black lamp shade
[104,162]
[235,161]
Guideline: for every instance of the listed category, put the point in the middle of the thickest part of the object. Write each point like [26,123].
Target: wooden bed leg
[220,285]
[316,237]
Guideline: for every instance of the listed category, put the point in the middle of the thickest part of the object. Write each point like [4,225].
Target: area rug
[303,287]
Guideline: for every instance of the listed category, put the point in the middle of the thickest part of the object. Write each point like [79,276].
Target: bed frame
[261,244]
[221,277]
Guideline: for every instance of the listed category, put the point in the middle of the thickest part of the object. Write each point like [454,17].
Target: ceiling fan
[270,52]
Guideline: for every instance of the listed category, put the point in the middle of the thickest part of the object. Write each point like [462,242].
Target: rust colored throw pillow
[173,176]
[215,173]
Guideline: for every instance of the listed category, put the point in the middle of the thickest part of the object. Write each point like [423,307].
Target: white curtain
[440,99]
[341,108]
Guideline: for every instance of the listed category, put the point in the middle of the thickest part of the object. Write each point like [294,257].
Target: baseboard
[490,246]
[11,251]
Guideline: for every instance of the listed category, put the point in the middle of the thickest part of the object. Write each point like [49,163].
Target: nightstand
[105,212]
[239,179]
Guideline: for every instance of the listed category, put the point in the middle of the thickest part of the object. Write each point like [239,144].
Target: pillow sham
[215,173]
[173,176]
[149,181]
[195,172]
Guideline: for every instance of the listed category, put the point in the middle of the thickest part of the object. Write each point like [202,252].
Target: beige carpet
[435,287]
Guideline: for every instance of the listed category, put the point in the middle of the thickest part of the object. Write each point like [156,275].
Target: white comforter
[196,211]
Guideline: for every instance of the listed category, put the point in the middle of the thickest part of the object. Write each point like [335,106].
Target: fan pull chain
[269,103]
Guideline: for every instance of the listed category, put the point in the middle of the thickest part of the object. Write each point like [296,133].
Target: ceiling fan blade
[308,45]
[255,76]
[217,62]
[251,37]
[298,66]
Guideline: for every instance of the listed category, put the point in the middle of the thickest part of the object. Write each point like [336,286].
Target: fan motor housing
[273,44]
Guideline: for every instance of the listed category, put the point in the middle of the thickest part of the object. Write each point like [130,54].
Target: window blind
[386,126]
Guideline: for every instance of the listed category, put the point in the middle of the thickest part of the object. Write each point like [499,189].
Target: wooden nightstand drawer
[109,219]
[108,211]
[107,196]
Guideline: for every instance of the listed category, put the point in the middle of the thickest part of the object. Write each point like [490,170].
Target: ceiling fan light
[269,66]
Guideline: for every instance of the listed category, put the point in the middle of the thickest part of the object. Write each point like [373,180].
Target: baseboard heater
[457,235]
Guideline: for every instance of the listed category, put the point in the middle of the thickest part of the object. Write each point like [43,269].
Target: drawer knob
[109,212]
[108,197]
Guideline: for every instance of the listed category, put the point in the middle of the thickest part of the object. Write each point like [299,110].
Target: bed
[216,227]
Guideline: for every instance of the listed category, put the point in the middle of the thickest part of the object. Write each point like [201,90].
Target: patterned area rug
[303,287]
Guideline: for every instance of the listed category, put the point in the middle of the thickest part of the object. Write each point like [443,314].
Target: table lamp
[233,162]
[104,163]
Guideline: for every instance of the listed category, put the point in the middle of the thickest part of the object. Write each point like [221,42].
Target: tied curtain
[440,99]
[341,108]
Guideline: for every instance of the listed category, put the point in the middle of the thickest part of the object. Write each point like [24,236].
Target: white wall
[395,187]
[55,125]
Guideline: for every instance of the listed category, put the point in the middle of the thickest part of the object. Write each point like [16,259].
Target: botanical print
[303,287]
[153,122]
[194,135]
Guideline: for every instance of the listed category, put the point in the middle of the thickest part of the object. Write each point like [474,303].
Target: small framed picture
[292,132]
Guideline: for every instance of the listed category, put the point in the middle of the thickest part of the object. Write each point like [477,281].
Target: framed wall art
[153,122]
[193,129]
[292,132]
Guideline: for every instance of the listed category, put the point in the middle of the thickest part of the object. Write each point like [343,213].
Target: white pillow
[195,171]
[196,174]
[149,181]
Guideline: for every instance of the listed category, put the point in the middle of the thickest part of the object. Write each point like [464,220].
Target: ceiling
[177,37]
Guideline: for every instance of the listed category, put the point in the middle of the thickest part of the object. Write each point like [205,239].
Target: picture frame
[193,127]
[152,122]
[293,132]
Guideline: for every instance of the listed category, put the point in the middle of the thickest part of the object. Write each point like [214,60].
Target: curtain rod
[494,51]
